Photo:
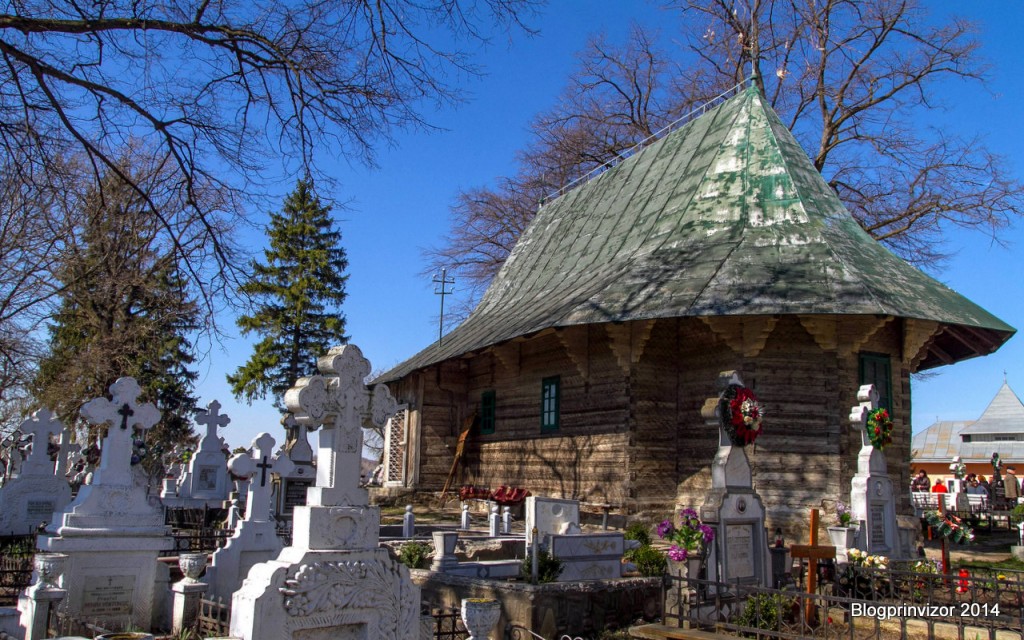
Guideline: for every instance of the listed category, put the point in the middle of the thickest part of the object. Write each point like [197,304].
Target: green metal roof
[725,216]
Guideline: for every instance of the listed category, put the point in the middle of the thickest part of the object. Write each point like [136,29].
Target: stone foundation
[550,610]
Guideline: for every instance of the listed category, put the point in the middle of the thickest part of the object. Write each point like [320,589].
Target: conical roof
[725,216]
[1004,415]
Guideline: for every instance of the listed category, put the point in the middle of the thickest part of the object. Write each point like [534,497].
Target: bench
[662,632]
[923,501]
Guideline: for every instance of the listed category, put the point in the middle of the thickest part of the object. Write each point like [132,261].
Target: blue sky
[402,206]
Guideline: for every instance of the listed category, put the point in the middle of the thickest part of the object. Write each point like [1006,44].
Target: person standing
[1011,485]
[921,482]
[938,487]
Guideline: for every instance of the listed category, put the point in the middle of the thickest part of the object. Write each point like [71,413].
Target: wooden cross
[812,552]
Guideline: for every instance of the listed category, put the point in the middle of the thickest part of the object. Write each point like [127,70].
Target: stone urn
[48,567]
[192,565]
[843,537]
[480,615]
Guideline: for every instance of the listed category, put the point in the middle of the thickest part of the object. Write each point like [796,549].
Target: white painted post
[409,523]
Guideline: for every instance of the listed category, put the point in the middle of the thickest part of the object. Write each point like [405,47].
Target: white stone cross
[868,397]
[120,414]
[211,418]
[340,401]
[257,507]
[68,450]
[42,424]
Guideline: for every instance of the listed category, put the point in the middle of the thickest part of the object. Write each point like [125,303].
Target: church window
[875,368]
[549,401]
[488,404]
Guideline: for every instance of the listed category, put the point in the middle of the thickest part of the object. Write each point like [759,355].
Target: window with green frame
[488,402]
[876,369]
[550,397]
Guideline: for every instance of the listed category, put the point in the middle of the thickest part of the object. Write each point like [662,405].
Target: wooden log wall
[631,433]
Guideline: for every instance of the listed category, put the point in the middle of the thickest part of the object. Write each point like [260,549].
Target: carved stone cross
[211,418]
[339,400]
[42,424]
[123,409]
[243,464]
[868,398]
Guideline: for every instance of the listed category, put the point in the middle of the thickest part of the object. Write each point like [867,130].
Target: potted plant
[690,540]
[843,536]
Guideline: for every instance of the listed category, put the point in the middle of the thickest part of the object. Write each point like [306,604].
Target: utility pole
[441,282]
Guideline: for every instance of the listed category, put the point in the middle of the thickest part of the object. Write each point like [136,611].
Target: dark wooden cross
[263,473]
[125,411]
[812,552]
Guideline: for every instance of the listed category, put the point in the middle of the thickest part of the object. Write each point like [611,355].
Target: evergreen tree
[298,294]
[124,311]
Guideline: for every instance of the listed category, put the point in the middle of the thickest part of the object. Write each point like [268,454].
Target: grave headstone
[739,552]
[68,452]
[506,520]
[334,581]
[589,556]
[112,533]
[409,523]
[205,483]
[32,496]
[464,519]
[292,486]
[871,491]
[255,539]
[549,516]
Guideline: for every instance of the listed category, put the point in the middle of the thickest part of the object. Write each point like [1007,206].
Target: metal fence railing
[860,603]
[214,618]
[447,623]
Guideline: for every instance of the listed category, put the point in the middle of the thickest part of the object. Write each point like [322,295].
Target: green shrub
[764,611]
[638,531]
[414,555]
[648,560]
[548,567]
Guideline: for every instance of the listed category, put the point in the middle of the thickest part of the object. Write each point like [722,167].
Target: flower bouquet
[689,539]
[843,515]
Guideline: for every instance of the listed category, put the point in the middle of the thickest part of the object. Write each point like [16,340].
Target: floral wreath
[742,415]
[879,428]
[950,527]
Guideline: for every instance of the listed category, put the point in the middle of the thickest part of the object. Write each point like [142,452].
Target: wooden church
[718,247]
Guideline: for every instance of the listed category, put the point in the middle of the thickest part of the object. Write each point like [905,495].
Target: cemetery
[693,433]
[105,564]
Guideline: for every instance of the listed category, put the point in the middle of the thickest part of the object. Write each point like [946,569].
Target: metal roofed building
[1000,429]
[716,247]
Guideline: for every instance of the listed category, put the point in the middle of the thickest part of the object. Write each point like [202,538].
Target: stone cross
[42,424]
[211,418]
[868,398]
[68,450]
[340,401]
[243,464]
[119,413]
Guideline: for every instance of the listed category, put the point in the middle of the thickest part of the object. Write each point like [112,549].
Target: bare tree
[219,90]
[851,78]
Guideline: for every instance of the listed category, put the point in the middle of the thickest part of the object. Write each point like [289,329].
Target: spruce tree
[298,294]
[124,311]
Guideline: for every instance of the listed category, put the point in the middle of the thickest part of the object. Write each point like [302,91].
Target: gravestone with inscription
[334,581]
[739,553]
[112,533]
[549,516]
[871,491]
[255,539]
[292,486]
[205,483]
[30,498]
